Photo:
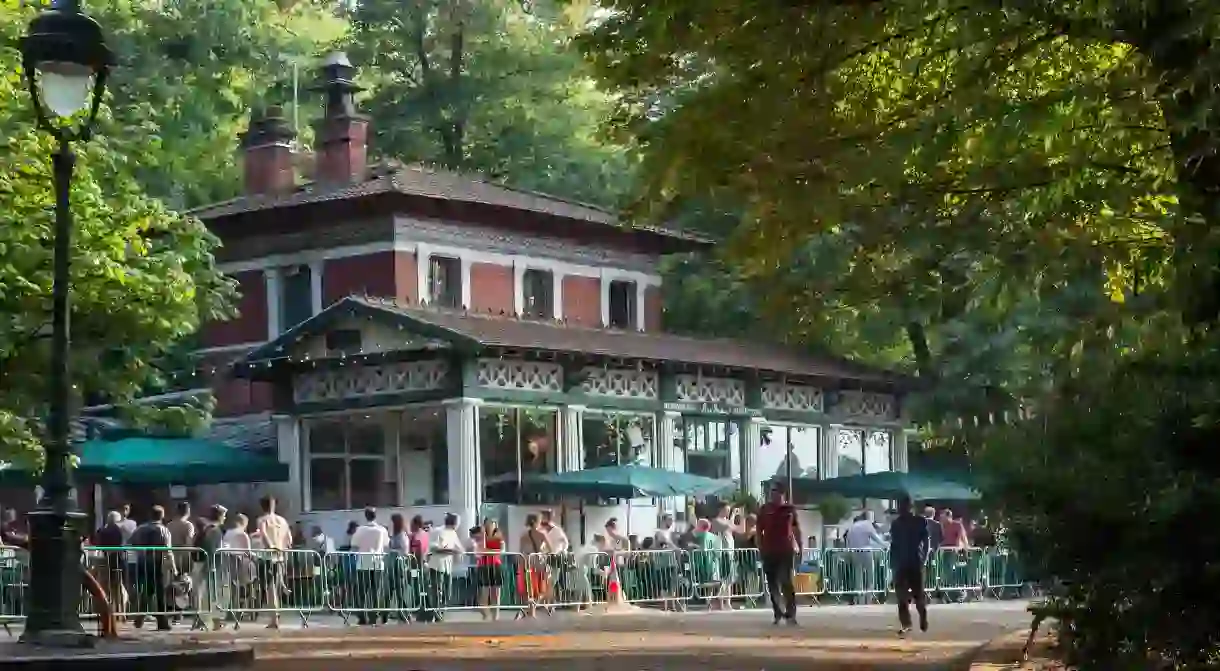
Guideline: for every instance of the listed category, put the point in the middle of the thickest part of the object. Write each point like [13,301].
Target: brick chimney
[267,149]
[341,142]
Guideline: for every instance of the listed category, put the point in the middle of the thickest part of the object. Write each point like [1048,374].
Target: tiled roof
[486,330]
[428,182]
[248,432]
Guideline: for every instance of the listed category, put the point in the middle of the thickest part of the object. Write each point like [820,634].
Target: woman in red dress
[489,565]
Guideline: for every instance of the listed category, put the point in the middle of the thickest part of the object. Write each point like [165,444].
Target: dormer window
[623,308]
[537,293]
[445,281]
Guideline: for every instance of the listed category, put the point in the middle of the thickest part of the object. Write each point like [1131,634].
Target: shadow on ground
[619,661]
[636,652]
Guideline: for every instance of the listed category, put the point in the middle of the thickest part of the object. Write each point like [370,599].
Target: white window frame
[653,439]
[463,279]
[308,456]
[273,278]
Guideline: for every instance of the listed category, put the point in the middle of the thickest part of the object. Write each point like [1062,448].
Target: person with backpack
[208,540]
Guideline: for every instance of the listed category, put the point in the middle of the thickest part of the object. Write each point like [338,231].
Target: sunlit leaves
[974,167]
[143,277]
[486,87]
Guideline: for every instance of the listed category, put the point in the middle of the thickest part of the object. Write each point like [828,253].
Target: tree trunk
[1190,107]
[456,141]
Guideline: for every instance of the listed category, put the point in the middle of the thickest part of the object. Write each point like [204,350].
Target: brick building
[406,333]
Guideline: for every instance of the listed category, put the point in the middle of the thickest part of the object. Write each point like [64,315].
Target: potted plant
[833,509]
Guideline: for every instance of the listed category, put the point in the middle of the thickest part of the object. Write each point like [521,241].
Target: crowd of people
[139,577]
[220,564]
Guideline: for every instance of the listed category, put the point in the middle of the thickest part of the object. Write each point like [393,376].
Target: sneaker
[923,624]
[903,631]
[792,621]
[777,620]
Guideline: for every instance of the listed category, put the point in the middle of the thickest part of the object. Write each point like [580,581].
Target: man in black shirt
[909,546]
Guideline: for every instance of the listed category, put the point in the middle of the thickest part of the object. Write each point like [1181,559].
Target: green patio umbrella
[180,461]
[629,482]
[887,485]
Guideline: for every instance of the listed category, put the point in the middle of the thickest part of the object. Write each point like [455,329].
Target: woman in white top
[236,564]
[236,537]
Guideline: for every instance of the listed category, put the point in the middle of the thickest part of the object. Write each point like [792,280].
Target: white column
[518,287]
[669,455]
[572,451]
[751,443]
[294,498]
[273,302]
[605,299]
[899,460]
[639,304]
[828,461]
[316,268]
[557,295]
[465,284]
[423,263]
[465,480]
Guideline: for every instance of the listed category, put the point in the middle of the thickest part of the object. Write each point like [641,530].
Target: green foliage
[1109,488]
[1026,192]
[486,87]
[833,508]
[189,73]
[978,178]
[143,277]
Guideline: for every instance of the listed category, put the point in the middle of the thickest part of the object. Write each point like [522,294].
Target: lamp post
[65,60]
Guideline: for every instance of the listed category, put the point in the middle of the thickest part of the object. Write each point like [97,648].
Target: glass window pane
[537,440]
[851,452]
[296,296]
[498,451]
[366,436]
[424,453]
[326,436]
[732,445]
[803,445]
[638,433]
[772,451]
[600,446]
[372,484]
[877,452]
[710,456]
[326,484]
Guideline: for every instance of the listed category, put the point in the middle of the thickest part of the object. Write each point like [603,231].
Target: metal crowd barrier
[860,575]
[248,585]
[716,578]
[809,581]
[245,585]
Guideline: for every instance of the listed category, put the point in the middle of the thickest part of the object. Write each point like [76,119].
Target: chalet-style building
[411,334]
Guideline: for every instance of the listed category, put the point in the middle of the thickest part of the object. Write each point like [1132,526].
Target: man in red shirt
[779,544]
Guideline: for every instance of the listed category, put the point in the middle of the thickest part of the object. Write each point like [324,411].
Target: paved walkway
[828,638]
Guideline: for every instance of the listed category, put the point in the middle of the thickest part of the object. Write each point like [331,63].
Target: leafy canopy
[143,277]
[1028,189]
[489,86]
[967,171]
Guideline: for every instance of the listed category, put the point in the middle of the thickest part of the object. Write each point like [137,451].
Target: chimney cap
[268,126]
[336,58]
[337,75]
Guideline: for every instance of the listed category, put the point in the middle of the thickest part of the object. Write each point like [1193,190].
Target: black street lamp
[66,61]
